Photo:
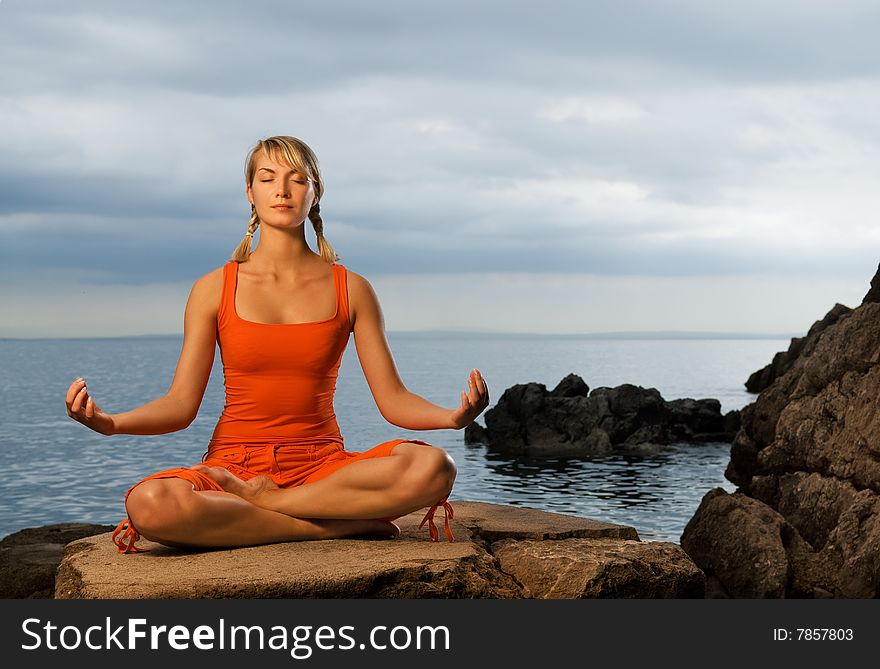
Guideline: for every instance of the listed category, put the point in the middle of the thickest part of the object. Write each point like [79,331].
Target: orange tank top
[280,378]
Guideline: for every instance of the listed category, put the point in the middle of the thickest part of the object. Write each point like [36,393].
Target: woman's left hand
[472,403]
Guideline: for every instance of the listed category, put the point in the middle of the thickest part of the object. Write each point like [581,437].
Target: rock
[783,360]
[500,552]
[572,421]
[475,434]
[29,558]
[600,568]
[747,547]
[571,386]
[701,420]
[805,519]
[821,414]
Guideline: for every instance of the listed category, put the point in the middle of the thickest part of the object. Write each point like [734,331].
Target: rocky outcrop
[572,421]
[500,552]
[805,519]
[783,360]
[29,558]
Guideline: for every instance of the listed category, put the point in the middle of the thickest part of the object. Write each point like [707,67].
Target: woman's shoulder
[355,282]
[207,289]
[214,278]
[361,295]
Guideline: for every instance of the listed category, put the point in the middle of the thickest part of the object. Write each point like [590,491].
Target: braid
[243,250]
[327,252]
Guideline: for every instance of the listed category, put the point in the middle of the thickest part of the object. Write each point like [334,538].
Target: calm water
[56,470]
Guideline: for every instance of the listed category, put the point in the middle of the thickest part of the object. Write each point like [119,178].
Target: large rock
[805,520]
[500,552]
[572,421]
[748,549]
[29,558]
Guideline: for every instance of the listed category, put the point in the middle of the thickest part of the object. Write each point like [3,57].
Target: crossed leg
[412,477]
[349,502]
[170,512]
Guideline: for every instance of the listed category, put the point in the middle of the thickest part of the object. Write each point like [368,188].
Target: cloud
[591,110]
[681,139]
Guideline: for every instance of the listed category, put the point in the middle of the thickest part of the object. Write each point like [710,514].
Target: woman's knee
[155,505]
[432,470]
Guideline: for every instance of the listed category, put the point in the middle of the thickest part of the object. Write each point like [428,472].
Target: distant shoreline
[647,335]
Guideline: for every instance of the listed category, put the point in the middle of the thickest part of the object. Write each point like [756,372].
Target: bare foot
[249,490]
[336,528]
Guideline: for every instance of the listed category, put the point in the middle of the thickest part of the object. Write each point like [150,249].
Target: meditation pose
[276,468]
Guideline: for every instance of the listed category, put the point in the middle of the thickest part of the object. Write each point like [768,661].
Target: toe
[262,482]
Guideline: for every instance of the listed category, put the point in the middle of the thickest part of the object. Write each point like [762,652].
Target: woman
[276,468]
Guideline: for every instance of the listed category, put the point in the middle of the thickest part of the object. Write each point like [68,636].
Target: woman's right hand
[82,407]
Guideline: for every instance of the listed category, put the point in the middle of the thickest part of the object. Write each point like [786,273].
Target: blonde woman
[276,468]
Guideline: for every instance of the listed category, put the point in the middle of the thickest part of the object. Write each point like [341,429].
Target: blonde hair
[297,155]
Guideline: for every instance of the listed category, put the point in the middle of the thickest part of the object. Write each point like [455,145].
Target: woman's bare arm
[398,405]
[179,406]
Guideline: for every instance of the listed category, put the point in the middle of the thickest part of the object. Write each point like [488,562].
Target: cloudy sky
[531,167]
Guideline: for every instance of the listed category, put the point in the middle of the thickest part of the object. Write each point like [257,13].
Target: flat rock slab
[410,566]
[492,522]
[600,568]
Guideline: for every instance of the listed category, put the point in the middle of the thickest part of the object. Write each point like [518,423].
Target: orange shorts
[290,465]
[287,464]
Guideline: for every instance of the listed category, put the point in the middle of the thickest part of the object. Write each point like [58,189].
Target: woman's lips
[281,207]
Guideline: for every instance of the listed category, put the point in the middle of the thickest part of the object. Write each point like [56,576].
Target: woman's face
[282,196]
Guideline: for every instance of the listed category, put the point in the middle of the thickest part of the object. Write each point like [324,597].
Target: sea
[56,470]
